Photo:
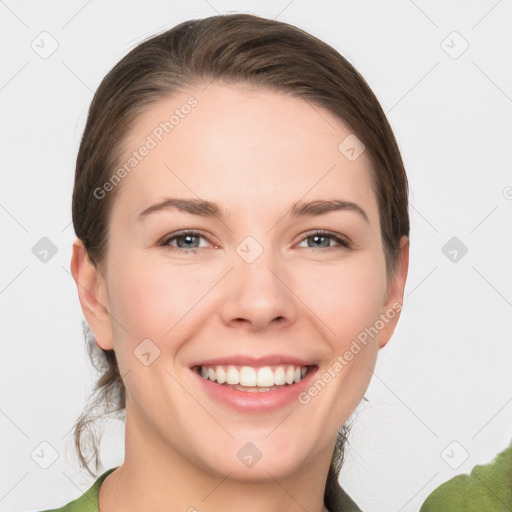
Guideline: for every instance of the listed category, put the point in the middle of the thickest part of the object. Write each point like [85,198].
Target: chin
[245,460]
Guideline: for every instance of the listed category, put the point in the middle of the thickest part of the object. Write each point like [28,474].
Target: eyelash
[342,241]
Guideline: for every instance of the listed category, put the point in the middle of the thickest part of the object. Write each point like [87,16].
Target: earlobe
[92,294]
[393,305]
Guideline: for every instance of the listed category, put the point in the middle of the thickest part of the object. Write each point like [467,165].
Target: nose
[258,295]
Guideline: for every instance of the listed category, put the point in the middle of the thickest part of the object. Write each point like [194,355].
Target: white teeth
[279,376]
[246,376]
[265,377]
[233,376]
[221,375]
[290,375]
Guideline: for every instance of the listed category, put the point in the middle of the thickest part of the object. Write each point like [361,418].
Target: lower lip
[258,401]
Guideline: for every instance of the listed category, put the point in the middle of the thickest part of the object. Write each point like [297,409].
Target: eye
[189,241]
[322,237]
[186,241]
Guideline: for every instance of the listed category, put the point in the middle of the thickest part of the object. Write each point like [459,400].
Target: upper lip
[245,360]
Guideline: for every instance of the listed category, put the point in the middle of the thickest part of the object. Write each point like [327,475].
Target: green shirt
[487,489]
[88,502]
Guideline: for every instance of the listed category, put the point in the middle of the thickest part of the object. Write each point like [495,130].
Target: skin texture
[255,152]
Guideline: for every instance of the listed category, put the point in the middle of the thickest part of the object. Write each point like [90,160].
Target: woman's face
[255,286]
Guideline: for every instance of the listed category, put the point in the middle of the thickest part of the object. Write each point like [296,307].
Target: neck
[154,476]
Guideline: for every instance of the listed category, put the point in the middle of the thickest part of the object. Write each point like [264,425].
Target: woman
[241,211]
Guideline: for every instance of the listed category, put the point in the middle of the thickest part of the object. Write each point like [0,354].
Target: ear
[92,292]
[390,312]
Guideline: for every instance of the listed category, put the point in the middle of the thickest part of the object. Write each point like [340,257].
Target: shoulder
[88,501]
[488,488]
[337,500]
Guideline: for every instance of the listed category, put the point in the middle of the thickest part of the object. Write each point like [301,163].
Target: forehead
[241,146]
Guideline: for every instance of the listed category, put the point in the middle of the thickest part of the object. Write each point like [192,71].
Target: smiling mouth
[255,379]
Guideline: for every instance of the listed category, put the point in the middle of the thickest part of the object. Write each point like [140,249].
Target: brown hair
[234,48]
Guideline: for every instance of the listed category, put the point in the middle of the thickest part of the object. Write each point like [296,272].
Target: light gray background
[444,377]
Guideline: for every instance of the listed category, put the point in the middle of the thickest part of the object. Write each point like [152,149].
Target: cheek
[153,302]
[346,299]
[151,299]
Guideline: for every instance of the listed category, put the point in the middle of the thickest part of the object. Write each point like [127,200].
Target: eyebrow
[211,209]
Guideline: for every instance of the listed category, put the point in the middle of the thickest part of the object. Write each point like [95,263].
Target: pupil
[317,237]
[187,238]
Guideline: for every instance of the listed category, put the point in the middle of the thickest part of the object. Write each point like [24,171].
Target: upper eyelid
[328,233]
[185,232]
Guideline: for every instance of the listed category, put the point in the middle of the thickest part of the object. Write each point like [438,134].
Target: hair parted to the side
[237,49]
